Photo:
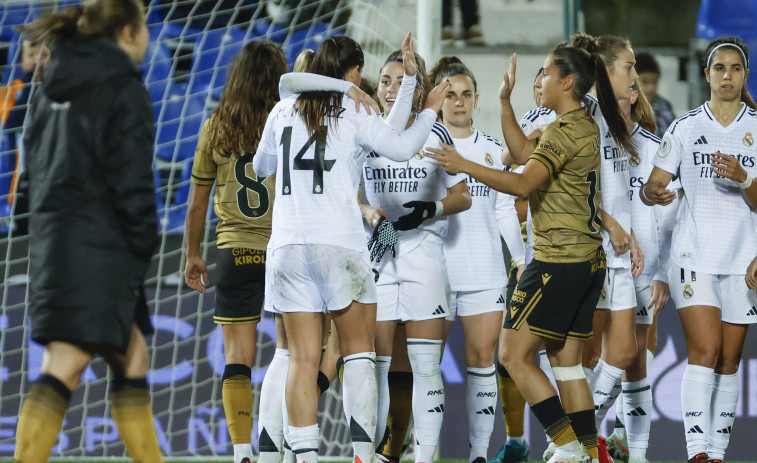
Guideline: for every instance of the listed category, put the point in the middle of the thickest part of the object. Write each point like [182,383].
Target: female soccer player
[412,287]
[713,148]
[316,143]
[556,296]
[244,204]
[473,254]
[93,225]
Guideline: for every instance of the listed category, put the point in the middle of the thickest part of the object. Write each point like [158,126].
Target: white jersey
[389,184]
[648,222]
[615,185]
[472,248]
[716,231]
[317,183]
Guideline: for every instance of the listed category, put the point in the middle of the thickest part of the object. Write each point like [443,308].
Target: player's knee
[704,355]
[424,356]
[480,358]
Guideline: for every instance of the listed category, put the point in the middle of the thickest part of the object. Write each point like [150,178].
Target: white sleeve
[403,105]
[509,227]
[375,135]
[293,83]
[666,221]
[265,159]
[668,157]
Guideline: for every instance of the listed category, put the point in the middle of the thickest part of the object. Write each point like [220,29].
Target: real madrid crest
[419,154]
[488,159]
[688,292]
[634,160]
[748,140]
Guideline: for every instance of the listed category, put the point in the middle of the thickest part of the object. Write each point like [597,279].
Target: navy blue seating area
[730,17]
[184,71]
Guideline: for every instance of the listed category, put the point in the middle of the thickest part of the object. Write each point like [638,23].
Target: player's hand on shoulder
[363,99]
[448,158]
[196,273]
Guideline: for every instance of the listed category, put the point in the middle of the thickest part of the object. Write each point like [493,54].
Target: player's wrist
[439,208]
[746,183]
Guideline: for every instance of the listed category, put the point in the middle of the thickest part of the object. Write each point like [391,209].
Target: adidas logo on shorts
[439,310]
[752,311]
[501,299]
[642,312]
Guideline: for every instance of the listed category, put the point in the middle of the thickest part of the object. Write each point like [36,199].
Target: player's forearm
[519,145]
[505,182]
[750,195]
[456,202]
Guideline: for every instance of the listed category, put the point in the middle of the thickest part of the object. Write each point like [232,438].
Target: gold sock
[237,404]
[400,411]
[586,430]
[561,432]
[130,409]
[40,421]
[513,406]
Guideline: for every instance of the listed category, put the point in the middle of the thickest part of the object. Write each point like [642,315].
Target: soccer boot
[604,455]
[700,458]
[561,456]
[515,452]
[618,447]
[549,452]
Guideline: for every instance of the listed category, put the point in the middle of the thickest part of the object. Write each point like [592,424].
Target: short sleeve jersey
[472,248]
[242,201]
[389,184]
[716,229]
[616,192]
[317,182]
[565,208]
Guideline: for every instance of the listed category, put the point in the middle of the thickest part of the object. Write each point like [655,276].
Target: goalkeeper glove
[422,210]
[384,237]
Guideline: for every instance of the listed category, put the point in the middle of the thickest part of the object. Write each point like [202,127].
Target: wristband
[439,208]
[746,183]
[520,262]
[644,194]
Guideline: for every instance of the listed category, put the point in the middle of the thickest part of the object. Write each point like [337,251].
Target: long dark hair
[252,89]
[588,70]
[420,76]
[94,18]
[606,48]
[334,58]
[738,45]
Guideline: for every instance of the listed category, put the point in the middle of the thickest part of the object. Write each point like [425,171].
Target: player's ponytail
[94,18]
[336,56]
[302,63]
[608,104]
[450,66]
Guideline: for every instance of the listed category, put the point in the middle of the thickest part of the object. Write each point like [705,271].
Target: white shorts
[268,298]
[644,314]
[320,278]
[727,292]
[413,286]
[470,303]
[619,291]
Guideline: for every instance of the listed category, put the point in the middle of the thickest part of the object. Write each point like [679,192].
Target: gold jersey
[565,208]
[242,201]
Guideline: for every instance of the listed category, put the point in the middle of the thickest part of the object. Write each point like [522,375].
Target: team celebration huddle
[369,218]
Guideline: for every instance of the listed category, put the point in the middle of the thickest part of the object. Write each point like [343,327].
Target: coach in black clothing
[93,223]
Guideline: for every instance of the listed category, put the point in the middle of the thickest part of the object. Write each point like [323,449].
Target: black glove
[384,237]
[422,210]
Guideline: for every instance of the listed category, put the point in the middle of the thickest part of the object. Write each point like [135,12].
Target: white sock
[360,401]
[637,398]
[383,363]
[589,373]
[242,451]
[546,367]
[606,378]
[270,419]
[428,395]
[289,456]
[696,396]
[725,398]
[620,418]
[304,443]
[481,403]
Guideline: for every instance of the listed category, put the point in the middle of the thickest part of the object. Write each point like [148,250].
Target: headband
[709,58]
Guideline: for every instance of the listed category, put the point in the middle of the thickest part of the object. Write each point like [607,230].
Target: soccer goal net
[191,43]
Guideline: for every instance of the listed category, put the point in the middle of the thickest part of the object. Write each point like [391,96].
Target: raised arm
[518,144]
